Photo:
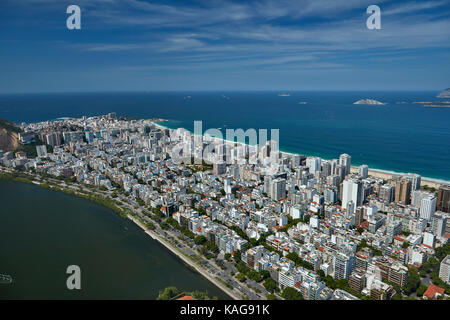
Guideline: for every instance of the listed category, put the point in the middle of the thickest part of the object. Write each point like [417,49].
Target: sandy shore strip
[387,175]
[200,270]
[378,173]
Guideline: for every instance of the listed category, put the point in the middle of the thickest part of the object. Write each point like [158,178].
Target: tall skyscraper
[53,139]
[364,171]
[415,180]
[427,207]
[352,191]
[41,151]
[219,168]
[342,266]
[387,193]
[278,189]
[345,160]
[330,195]
[313,164]
[326,169]
[438,224]
[444,270]
[403,191]
[443,199]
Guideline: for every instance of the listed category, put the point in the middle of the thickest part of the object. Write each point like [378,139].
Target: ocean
[400,136]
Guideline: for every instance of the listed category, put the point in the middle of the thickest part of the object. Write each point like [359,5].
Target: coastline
[378,173]
[152,234]
[202,272]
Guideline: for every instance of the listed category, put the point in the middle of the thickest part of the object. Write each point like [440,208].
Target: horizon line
[216,90]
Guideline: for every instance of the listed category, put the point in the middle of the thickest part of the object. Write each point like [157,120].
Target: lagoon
[42,232]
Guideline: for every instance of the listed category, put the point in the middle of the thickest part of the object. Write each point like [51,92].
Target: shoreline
[152,234]
[197,268]
[378,173]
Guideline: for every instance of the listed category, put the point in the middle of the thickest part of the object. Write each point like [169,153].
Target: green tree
[168,293]
[413,281]
[421,290]
[270,284]
[291,294]
[199,240]
[241,277]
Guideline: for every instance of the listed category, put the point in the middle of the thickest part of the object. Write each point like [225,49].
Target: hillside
[9,138]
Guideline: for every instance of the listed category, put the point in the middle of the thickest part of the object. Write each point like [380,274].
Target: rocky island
[444,93]
[369,102]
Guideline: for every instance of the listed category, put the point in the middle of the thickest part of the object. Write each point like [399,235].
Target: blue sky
[137,45]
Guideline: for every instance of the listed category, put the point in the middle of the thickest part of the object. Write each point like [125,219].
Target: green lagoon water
[43,231]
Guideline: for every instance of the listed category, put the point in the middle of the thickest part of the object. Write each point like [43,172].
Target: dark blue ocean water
[399,137]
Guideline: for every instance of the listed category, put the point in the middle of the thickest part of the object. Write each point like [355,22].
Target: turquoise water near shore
[401,136]
[51,230]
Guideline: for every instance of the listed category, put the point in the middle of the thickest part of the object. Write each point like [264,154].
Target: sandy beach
[378,173]
[387,175]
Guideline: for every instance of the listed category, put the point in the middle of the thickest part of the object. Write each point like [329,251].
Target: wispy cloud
[273,35]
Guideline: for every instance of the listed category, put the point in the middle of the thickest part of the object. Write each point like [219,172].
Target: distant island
[369,102]
[442,104]
[444,93]
[284,95]
[434,104]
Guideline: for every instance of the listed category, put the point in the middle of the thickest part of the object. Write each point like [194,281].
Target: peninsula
[256,233]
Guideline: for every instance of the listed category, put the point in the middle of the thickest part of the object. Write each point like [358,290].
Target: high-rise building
[403,191]
[417,196]
[227,185]
[41,151]
[342,266]
[429,239]
[443,199]
[352,191]
[398,274]
[73,136]
[415,180]
[345,160]
[357,280]
[296,160]
[393,229]
[438,224]
[386,193]
[350,209]
[89,136]
[427,207]
[53,139]
[219,168]
[359,215]
[330,195]
[267,184]
[341,172]
[364,171]
[444,270]
[326,169]
[313,164]
[278,189]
